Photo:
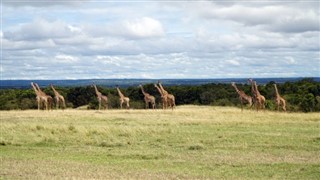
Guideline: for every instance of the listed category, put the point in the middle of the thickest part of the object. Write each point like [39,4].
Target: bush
[303,95]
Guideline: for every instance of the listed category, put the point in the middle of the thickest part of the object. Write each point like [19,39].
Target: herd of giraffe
[168,100]
[257,99]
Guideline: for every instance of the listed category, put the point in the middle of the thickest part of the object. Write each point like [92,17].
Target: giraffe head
[250,80]
[233,83]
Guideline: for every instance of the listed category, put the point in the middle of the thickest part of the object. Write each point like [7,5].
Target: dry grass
[190,142]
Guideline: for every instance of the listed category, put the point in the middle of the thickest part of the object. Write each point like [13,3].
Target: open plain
[190,142]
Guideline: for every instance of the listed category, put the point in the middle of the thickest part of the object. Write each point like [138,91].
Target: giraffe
[163,98]
[280,101]
[101,98]
[242,96]
[253,92]
[260,99]
[39,98]
[42,97]
[170,97]
[59,98]
[148,98]
[123,99]
[49,98]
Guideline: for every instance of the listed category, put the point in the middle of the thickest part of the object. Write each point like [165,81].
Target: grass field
[191,142]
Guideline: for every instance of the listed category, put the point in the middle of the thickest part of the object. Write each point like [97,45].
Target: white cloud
[43,3]
[143,28]
[138,40]
[66,58]
[39,29]
[290,60]
[233,62]
[274,17]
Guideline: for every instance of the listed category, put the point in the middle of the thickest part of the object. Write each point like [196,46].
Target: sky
[87,39]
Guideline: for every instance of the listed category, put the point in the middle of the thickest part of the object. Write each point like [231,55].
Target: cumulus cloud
[141,40]
[144,27]
[42,3]
[62,58]
[290,60]
[233,62]
[40,29]
[274,17]
[299,22]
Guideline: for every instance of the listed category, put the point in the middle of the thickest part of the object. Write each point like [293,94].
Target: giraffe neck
[276,89]
[162,89]
[144,93]
[120,94]
[253,88]
[96,89]
[159,90]
[35,89]
[40,91]
[235,87]
[256,89]
[54,91]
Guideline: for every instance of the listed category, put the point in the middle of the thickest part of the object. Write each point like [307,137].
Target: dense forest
[303,95]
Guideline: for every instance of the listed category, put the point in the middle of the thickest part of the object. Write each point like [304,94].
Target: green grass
[191,142]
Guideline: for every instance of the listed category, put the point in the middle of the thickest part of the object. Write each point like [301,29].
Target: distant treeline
[303,95]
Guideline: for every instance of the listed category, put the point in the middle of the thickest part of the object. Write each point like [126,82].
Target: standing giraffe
[253,92]
[60,102]
[123,99]
[101,98]
[260,99]
[48,101]
[170,97]
[163,98]
[148,98]
[280,101]
[40,99]
[242,96]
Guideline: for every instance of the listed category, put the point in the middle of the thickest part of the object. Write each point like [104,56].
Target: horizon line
[161,78]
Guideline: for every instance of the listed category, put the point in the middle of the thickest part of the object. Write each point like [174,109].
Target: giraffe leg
[57,103]
[64,104]
[284,105]
[121,102]
[278,106]
[46,103]
[128,105]
[38,104]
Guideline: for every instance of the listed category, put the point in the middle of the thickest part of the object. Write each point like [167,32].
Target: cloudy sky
[159,39]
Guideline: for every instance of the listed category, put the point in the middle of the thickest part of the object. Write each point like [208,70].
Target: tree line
[303,95]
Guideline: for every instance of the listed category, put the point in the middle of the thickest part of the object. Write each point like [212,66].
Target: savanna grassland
[191,142]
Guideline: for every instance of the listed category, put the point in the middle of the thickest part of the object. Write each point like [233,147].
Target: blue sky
[159,39]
